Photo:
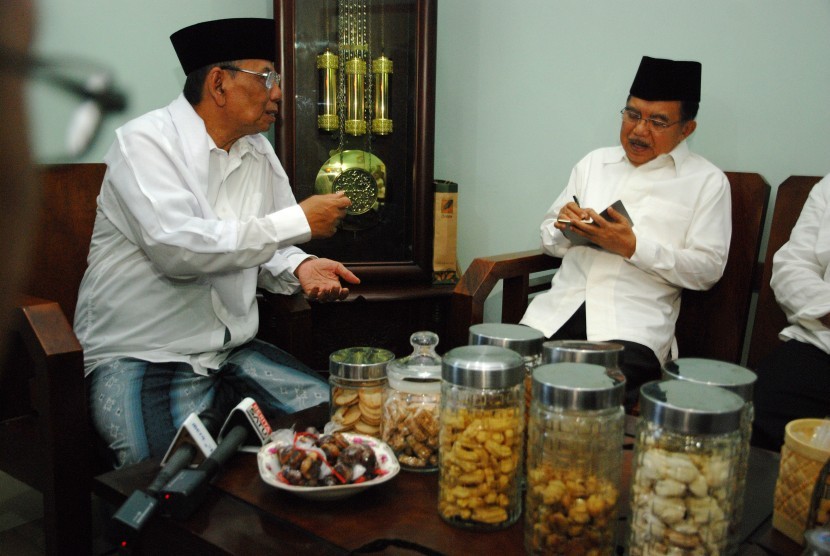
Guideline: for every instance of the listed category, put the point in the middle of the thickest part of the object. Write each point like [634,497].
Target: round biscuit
[371,398]
[365,428]
[345,397]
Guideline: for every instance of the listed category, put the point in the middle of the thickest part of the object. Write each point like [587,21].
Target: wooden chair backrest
[769,318]
[70,192]
[711,324]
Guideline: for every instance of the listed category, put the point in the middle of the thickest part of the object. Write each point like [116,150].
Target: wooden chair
[44,433]
[711,323]
[769,318]
[45,437]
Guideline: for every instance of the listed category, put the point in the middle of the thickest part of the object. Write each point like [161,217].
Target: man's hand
[324,213]
[615,235]
[320,279]
[572,212]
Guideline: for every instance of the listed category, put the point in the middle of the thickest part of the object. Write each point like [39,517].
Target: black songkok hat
[224,40]
[659,79]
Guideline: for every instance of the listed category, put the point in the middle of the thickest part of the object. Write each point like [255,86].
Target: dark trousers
[638,364]
[793,383]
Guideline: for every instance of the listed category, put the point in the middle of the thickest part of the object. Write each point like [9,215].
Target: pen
[576,200]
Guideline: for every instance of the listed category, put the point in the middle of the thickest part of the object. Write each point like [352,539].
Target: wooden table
[244,515]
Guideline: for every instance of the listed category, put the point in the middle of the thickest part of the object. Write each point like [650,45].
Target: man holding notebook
[637,224]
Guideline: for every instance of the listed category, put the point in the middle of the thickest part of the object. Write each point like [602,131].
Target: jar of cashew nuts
[357,379]
[524,340]
[739,380]
[574,458]
[411,404]
[686,455]
[481,443]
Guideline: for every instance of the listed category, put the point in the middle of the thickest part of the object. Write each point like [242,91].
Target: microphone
[193,444]
[246,425]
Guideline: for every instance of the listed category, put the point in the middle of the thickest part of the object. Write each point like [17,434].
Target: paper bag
[444,257]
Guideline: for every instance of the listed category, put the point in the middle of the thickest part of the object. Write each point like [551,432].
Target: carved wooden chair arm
[482,276]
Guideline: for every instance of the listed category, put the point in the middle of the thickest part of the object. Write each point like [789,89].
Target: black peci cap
[224,40]
[659,79]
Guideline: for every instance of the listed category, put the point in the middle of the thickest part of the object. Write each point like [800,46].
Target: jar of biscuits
[524,340]
[411,405]
[357,379]
[481,442]
[686,454]
[574,458]
[739,380]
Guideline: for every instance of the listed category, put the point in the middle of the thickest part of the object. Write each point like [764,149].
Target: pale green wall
[131,37]
[526,88]
[524,93]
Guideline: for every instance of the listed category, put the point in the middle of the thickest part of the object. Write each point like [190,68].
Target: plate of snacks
[325,466]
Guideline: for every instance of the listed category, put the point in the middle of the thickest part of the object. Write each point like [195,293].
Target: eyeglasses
[271,78]
[83,79]
[657,126]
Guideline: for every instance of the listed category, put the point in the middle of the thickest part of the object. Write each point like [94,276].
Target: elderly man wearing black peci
[621,275]
[195,213]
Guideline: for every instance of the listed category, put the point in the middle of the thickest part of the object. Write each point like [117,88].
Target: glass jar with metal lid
[481,438]
[685,460]
[524,340]
[574,460]
[605,354]
[411,404]
[357,379]
[741,381]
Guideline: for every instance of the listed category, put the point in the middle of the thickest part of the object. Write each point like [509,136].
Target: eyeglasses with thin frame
[657,126]
[92,84]
[271,77]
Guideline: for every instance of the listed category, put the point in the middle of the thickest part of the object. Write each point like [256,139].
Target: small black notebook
[577,239]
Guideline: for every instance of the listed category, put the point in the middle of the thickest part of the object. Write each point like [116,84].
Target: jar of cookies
[739,380]
[524,340]
[686,454]
[357,379]
[574,458]
[481,442]
[411,404]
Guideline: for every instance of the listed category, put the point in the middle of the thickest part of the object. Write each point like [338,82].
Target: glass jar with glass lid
[685,460]
[482,437]
[741,381]
[574,460]
[411,404]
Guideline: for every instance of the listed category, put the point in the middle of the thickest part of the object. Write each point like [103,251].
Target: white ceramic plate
[269,466]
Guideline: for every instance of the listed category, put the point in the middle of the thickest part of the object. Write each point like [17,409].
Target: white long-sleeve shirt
[801,271]
[680,205]
[184,233]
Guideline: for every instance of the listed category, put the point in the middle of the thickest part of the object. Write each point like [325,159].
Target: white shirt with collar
[680,205]
[184,233]
[801,271]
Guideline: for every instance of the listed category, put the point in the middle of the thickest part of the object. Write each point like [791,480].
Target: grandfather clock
[357,115]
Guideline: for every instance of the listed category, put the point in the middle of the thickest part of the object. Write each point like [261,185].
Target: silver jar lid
[690,408]
[524,340]
[605,354]
[714,373]
[579,386]
[360,363]
[483,367]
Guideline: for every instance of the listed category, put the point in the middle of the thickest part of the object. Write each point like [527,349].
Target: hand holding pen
[569,212]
